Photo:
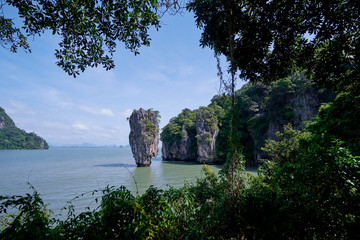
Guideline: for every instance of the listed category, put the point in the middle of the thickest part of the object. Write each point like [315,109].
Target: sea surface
[61,175]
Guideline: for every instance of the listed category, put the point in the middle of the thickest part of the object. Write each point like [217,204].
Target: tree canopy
[272,38]
[89,30]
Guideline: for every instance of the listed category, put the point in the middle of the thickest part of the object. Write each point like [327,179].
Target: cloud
[56,98]
[107,112]
[98,111]
[80,127]
[17,107]
[171,75]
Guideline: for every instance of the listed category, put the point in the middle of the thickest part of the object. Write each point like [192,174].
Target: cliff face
[12,137]
[144,136]
[260,112]
[292,100]
[183,150]
[191,136]
[207,131]
[301,104]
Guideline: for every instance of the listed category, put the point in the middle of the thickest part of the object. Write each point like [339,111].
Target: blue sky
[172,74]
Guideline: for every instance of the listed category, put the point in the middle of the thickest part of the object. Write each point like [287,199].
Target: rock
[2,122]
[144,136]
[183,150]
[262,110]
[207,131]
[303,104]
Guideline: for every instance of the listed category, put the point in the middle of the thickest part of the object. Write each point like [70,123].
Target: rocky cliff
[183,150]
[207,131]
[191,136]
[261,111]
[12,137]
[178,137]
[144,136]
[291,100]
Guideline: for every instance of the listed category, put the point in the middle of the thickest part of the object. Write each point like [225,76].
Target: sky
[172,74]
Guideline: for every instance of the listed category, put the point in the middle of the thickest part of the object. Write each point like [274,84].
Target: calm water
[61,174]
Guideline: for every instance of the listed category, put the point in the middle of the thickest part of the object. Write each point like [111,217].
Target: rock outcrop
[2,122]
[144,136]
[262,110]
[182,150]
[11,137]
[207,131]
[191,136]
[302,105]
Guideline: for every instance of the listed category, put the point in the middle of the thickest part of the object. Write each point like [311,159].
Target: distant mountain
[12,137]
[126,146]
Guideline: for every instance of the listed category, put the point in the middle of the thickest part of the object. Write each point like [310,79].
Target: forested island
[203,134]
[12,137]
[301,60]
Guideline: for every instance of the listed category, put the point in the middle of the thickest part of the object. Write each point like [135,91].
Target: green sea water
[61,174]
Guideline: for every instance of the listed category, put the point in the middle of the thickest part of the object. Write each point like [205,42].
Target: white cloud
[17,107]
[98,111]
[80,127]
[56,98]
[107,112]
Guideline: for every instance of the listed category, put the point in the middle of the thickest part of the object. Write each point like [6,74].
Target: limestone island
[144,135]
[12,137]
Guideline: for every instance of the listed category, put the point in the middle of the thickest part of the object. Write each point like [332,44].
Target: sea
[76,176]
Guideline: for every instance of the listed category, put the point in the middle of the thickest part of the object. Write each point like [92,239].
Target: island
[12,137]
[144,135]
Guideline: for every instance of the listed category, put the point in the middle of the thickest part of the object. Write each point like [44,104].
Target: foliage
[315,185]
[12,137]
[90,30]
[259,107]
[32,220]
[184,127]
[340,119]
[157,214]
[171,133]
[271,39]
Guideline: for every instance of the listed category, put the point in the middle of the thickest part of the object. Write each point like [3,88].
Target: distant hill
[12,137]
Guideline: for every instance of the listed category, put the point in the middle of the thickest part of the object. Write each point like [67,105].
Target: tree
[90,30]
[316,183]
[272,38]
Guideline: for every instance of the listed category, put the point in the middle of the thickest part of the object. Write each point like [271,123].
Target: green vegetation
[268,40]
[89,30]
[310,190]
[257,106]
[171,133]
[184,126]
[309,185]
[12,137]
[340,119]
[148,124]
